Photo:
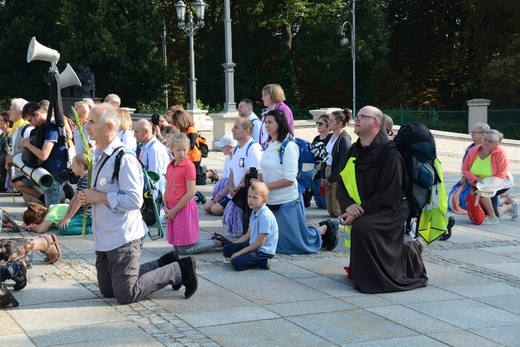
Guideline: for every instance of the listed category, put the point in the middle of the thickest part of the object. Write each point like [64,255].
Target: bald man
[154,154]
[113,99]
[376,209]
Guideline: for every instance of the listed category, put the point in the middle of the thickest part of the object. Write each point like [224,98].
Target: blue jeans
[53,194]
[246,260]
[320,200]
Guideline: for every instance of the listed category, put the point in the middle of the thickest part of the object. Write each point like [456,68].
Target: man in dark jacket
[372,192]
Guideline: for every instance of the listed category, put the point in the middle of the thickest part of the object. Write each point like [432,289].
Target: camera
[155,119]
[253,173]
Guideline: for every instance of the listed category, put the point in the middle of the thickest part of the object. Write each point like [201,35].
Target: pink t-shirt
[176,178]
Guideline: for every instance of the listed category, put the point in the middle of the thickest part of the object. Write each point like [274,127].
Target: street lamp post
[165,60]
[229,105]
[191,28]
[344,42]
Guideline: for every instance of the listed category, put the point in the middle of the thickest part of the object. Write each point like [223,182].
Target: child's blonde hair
[81,159]
[260,188]
[33,211]
[179,138]
[171,129]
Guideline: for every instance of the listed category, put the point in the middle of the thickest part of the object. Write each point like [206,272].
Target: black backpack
[416,144]
[417,147]
[37,138]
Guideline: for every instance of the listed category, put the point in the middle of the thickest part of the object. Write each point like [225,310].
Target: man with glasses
[373,197]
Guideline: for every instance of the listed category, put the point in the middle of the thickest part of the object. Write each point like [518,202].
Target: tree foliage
[410,53]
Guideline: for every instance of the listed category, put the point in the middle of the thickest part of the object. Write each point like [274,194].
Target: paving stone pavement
[473,296]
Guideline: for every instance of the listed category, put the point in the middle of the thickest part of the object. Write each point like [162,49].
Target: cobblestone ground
[168,329]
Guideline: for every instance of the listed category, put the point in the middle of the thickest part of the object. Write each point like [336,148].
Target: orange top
[194,154]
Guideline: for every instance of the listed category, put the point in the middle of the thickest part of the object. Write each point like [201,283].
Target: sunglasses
[321,123]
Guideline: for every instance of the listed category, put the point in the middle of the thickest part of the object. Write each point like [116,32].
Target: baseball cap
[226,140]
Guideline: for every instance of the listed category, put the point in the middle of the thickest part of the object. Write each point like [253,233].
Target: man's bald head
[143,131]
[113,99]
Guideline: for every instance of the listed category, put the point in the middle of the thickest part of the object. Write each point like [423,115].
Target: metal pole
[230,104]
[353,32]
[193,80]
[165,59]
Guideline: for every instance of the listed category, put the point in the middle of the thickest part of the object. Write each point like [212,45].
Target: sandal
[7,300]
[52,257]
[16,271]
[223,241]
[514,213]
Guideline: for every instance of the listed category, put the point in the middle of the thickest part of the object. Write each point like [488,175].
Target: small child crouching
[258,245]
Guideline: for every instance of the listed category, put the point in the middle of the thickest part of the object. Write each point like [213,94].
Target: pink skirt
[184,229]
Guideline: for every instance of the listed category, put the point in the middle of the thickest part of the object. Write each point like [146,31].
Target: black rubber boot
[68,190]
[332,234]
[324,240]
[447,234]
[168,258]
[330,239]
[189,276]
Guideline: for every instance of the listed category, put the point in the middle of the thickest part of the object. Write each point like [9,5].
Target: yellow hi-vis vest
[433,219]
[348,175]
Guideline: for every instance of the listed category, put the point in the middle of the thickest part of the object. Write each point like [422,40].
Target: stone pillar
[199,118]
[478,111]
[223,123]
[328,110]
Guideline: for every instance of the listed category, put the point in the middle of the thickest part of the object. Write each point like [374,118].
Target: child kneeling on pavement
[258,245]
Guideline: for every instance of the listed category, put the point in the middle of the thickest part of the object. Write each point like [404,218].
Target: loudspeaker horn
[37,51]
[68,78]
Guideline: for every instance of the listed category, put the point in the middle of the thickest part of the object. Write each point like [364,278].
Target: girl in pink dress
[180,208]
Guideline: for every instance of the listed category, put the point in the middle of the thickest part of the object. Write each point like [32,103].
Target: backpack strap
[247,149]
[117,163]
[103,164]
[283,147]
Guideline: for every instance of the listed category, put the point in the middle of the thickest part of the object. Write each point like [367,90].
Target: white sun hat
[226,140]
[489,186]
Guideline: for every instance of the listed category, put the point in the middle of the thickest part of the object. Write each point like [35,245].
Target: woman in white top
[337,145]
[284,199]
[126,134]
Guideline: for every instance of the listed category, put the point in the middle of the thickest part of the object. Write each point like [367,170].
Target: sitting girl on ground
[67,217]
[180,209]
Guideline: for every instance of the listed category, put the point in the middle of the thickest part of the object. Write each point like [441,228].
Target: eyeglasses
[321,123]
[477,132]
[361,116]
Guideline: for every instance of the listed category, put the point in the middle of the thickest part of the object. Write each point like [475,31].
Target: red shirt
[176,178]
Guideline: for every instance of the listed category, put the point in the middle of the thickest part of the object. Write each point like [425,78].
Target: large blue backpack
[306,162]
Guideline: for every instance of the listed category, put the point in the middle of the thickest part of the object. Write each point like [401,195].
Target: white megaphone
[37,51]
[68,78]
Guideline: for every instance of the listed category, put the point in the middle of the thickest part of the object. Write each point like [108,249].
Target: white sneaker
[490,220]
